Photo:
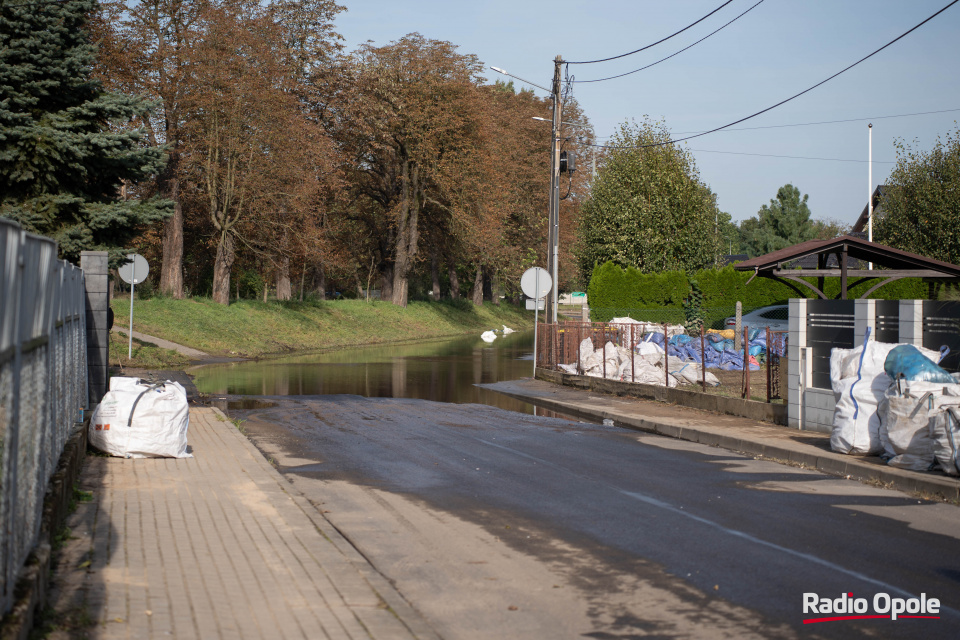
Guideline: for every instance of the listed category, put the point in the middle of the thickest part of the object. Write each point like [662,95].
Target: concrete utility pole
[553,217]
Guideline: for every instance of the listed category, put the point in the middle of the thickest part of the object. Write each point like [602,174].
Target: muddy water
[441,370]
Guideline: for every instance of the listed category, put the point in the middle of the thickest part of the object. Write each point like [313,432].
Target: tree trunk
[478,287]
[320,282]
[221,268]
[386,284]
[171,268]
[435,275]
[495,288]
[303,279]
[407,232]
[284,291]
[454,283]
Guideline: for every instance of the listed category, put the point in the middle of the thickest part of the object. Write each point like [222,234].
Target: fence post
[633,354]
[746,365]
[666,358]
[767,360]
[703,362]
[94,265]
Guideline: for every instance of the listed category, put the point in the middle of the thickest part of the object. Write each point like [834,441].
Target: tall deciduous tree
[66,146]
[648,208]
[411,122]
[920,212]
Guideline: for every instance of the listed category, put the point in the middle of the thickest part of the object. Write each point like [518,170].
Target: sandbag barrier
[633,351]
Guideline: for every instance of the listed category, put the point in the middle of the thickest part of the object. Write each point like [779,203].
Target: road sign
[135,271]
[536,282]
[535,305]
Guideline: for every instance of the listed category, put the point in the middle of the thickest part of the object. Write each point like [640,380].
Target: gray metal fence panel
[941,327]
[830,324]
[42,385]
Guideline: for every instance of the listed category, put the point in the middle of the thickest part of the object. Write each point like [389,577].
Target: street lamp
[553,214]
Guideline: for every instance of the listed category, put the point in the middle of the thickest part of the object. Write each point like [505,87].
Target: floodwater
[440,370]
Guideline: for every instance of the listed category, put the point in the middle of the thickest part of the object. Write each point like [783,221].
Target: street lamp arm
[499,70]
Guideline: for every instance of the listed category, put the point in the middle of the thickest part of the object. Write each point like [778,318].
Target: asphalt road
[498,524]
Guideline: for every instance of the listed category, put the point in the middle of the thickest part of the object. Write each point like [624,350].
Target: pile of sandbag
[139,419]
[895,401]
[646,366]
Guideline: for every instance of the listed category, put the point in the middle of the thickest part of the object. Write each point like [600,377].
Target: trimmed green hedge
[612,287]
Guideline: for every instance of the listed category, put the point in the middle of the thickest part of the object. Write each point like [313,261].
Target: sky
[777,49]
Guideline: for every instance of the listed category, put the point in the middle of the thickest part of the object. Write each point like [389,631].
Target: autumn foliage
[302,169]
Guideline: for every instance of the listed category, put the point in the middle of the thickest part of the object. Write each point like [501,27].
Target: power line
[810,124]
[673,54]
[743,153]
[623,55]
[809,89]
[768,155]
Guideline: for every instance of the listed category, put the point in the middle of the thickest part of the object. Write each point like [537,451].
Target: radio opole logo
[884,606]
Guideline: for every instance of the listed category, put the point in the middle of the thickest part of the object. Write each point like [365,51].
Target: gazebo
[843,257]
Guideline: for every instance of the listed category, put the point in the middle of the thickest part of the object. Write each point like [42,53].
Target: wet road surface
[599,531]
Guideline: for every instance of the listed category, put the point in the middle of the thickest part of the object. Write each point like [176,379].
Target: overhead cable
[807,90]
[672,54]
[810,124]
[630,53]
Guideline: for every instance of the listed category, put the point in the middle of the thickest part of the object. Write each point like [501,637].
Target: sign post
[536,283]
[133,272]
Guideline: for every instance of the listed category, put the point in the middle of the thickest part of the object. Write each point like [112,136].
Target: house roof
[878,194]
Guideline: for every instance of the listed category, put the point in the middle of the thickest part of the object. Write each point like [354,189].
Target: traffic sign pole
[133,279]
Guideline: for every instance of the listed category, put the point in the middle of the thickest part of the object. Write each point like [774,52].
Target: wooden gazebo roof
[896,264]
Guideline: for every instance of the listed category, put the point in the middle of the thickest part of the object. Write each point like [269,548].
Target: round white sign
[536,282]
[136,271]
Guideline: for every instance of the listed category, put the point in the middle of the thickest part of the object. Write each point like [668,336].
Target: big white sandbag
[912,414]
[856,425]
[138,419]
[859,383]
[946,441]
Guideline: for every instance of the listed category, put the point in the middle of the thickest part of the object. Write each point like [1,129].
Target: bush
[614,291]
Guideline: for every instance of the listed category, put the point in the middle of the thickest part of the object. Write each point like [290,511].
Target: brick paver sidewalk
[215,546]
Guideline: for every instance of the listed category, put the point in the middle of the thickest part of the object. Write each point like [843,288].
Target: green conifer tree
[66,145]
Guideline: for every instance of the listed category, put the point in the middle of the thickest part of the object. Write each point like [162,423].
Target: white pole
[870,186]
[536,319]
[133,279]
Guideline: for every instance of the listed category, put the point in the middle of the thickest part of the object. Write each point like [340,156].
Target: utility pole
[553,217]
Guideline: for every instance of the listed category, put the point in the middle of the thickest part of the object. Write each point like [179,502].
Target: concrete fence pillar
[864,317]
[911,322]
[96,277]
[798,371]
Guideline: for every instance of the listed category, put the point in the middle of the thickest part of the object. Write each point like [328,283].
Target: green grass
[145,355]
[252,329]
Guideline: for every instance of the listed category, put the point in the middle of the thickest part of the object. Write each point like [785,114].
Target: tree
[920,211]
[648,208]
[66,145]
[783,223]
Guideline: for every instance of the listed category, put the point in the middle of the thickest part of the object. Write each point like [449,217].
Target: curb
[31,588]
[803,455]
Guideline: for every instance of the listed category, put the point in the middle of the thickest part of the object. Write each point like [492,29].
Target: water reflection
[440,370]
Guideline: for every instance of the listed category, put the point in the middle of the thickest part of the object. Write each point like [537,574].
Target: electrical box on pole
[568,161]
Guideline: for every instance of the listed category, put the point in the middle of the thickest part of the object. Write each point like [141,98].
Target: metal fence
[761,376]
[43,385]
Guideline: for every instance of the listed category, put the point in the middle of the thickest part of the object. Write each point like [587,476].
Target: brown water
[439,370]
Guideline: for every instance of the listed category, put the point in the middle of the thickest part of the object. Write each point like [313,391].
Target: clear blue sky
[776,50]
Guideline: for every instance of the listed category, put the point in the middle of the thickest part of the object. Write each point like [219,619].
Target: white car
[777,317]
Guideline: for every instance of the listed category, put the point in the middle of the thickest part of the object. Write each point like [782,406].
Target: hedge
[613,287]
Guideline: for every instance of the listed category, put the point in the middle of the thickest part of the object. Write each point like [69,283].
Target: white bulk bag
[913,420]
[946,442]
[139,419]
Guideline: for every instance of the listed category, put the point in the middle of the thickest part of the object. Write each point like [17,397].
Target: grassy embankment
[254,329]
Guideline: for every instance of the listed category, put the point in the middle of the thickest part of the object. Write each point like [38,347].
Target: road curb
[868,470]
